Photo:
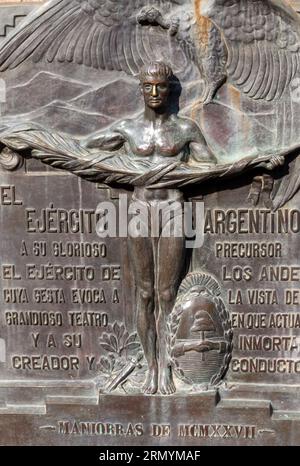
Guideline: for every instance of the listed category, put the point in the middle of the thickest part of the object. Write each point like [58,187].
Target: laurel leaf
[107,347]
[132,346]
[122,330]
[114,343]
[131,338]
[116,329]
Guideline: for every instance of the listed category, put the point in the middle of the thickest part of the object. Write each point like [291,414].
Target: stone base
[230,416]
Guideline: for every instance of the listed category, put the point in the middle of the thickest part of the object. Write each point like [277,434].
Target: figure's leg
[171,254]
[141,255]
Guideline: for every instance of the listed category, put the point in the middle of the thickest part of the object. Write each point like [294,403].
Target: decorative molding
[10,160]
[12,15]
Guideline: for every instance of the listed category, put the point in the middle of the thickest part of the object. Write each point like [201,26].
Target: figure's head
[155,81]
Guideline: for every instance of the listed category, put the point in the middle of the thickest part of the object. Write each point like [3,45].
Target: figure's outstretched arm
[109,139]
[200,153]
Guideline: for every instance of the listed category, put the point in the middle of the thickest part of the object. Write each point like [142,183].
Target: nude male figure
[157,262]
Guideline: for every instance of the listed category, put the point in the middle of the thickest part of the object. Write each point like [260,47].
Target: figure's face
[156,92]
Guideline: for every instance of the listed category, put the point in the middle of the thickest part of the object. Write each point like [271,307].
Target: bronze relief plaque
[149,211]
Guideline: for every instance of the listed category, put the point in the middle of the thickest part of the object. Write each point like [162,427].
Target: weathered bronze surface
[182,329]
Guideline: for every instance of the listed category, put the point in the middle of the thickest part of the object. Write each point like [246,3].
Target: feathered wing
[103,34]
[289,186]
[262,38]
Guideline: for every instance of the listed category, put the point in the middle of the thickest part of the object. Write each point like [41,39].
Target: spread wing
[288,186]
[263,43]
[103,34]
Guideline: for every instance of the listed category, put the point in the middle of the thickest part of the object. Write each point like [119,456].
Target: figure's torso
[158,142]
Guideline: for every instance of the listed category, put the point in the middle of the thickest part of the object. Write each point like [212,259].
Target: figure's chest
[165,141]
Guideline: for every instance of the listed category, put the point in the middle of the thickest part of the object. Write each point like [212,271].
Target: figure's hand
[205,346]
[275,161]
